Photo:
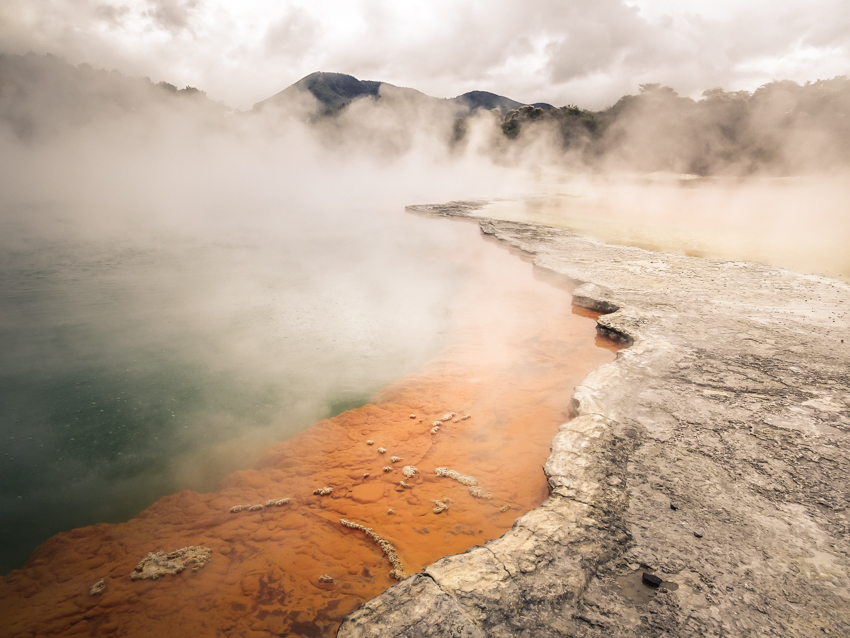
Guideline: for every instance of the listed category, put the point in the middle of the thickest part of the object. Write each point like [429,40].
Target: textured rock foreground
[713,453]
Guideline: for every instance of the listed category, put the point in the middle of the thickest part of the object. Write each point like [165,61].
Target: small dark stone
[673,506]
[651,579]
[697,534]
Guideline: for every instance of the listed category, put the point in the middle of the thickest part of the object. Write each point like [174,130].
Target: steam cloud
[186,283]
[182,286]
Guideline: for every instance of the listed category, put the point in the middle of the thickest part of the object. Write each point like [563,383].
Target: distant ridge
[488,101]
[335,91]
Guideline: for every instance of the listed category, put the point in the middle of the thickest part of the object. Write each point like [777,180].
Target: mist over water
[800,223]
[173,301]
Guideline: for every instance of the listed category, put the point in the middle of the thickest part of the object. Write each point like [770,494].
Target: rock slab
[732,403]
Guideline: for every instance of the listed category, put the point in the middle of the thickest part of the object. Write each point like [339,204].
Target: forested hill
[335,91]
[781,128]
[43,94]
[782,125]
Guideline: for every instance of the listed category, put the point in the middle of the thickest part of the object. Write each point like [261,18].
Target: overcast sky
[587,52]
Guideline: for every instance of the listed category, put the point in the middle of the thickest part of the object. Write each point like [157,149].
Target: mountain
[335,91]
[475,100]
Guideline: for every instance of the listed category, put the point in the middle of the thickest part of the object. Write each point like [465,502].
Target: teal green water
[134,367]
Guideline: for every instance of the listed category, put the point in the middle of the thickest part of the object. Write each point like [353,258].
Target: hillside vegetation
[780,128]
[783,126]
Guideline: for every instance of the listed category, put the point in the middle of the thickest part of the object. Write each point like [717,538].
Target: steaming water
[132,367]
[797,223]
[515,350]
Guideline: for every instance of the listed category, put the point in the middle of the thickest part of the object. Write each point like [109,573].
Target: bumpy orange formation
[295,570]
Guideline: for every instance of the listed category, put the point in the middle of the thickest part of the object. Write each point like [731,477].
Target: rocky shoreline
[712,454]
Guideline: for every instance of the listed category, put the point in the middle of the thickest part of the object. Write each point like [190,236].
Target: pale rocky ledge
[712,453]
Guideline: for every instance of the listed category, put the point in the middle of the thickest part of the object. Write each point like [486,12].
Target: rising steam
[183,284]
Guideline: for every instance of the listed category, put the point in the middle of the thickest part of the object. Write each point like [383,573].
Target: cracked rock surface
[713,453]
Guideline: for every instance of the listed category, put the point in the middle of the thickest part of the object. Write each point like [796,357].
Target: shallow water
[515,350]
[131,367]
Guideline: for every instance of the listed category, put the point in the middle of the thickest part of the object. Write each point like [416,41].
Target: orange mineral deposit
[281,563]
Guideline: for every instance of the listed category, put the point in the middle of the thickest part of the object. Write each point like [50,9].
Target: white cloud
[558,51]
[293,35]
[171,15]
